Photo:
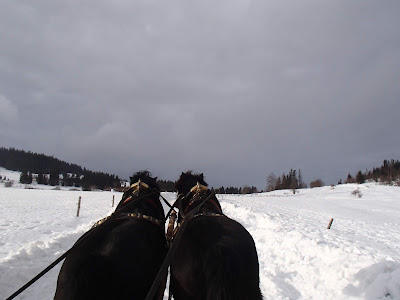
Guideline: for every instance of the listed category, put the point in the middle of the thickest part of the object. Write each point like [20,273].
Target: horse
[216,257]
[121,255]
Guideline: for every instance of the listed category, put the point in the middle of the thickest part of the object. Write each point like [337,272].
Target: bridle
[134,192]
[196,196]
[131,196]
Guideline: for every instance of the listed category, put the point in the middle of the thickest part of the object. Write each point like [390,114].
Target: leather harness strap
[196,193]
[206,214]
[135,190]
[167,261]
[135,215]
[209,200]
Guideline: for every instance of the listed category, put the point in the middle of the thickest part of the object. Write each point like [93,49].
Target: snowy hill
[10,175]
[358,258]
[13,177]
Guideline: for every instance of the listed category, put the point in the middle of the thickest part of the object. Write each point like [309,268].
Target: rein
[167,261]
[209,200]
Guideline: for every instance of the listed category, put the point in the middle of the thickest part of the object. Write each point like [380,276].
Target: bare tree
[271,182]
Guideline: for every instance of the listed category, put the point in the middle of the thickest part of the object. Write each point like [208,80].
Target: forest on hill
[52,171]
[387,173]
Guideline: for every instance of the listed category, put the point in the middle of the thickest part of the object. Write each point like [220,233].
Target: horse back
[215,259]
[120,261]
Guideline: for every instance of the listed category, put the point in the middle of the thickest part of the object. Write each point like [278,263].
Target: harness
[132,192]
[178,226]
[174,235]
[197,191]
[135,215]
[197,194]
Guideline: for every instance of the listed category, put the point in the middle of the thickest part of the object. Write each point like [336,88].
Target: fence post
[330,223]
[79,206]
[113,201]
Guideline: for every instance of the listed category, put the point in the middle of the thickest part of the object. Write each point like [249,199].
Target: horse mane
[188,180]
[145,176]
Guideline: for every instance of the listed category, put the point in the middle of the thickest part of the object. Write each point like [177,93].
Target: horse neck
[146,205]
[211,206]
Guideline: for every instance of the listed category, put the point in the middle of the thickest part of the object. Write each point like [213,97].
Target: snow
[14,176]
[358,258]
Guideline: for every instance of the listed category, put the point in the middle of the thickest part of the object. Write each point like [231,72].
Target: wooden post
[330,223]
[79,206]
[113,201]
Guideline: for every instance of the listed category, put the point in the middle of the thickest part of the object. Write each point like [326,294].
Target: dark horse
[121,255]
[216,258]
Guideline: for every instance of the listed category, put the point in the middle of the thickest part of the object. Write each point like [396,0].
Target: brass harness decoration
[198,192]
[132,215]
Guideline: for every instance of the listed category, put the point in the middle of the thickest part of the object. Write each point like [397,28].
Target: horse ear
[202,176]
[155,178]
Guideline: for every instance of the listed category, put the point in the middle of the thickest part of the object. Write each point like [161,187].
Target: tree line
[387,173]
[52,171]
[293,180]
[235,190]
[20,160]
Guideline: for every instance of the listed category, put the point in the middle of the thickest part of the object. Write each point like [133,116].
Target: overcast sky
[236,89]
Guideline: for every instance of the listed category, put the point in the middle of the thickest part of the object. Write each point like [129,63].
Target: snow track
[299,257]
[31,259]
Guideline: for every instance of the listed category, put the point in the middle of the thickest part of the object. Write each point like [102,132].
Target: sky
[234,89]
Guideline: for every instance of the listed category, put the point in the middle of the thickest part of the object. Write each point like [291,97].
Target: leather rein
[178,232]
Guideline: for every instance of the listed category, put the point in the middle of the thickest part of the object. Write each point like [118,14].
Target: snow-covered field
[358,258]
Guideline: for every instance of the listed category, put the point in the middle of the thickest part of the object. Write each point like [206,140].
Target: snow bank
[359,258]
[378,281]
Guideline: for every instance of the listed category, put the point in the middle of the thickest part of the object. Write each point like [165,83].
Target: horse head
[192,191]
[143,196]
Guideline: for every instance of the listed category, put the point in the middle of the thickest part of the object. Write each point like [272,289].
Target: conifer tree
[349,179]
[23,178]
[29,179]
[54,177]
[41,179]
[360,178]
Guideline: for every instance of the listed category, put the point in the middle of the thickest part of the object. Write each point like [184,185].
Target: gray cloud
[8,111]
[236,89]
